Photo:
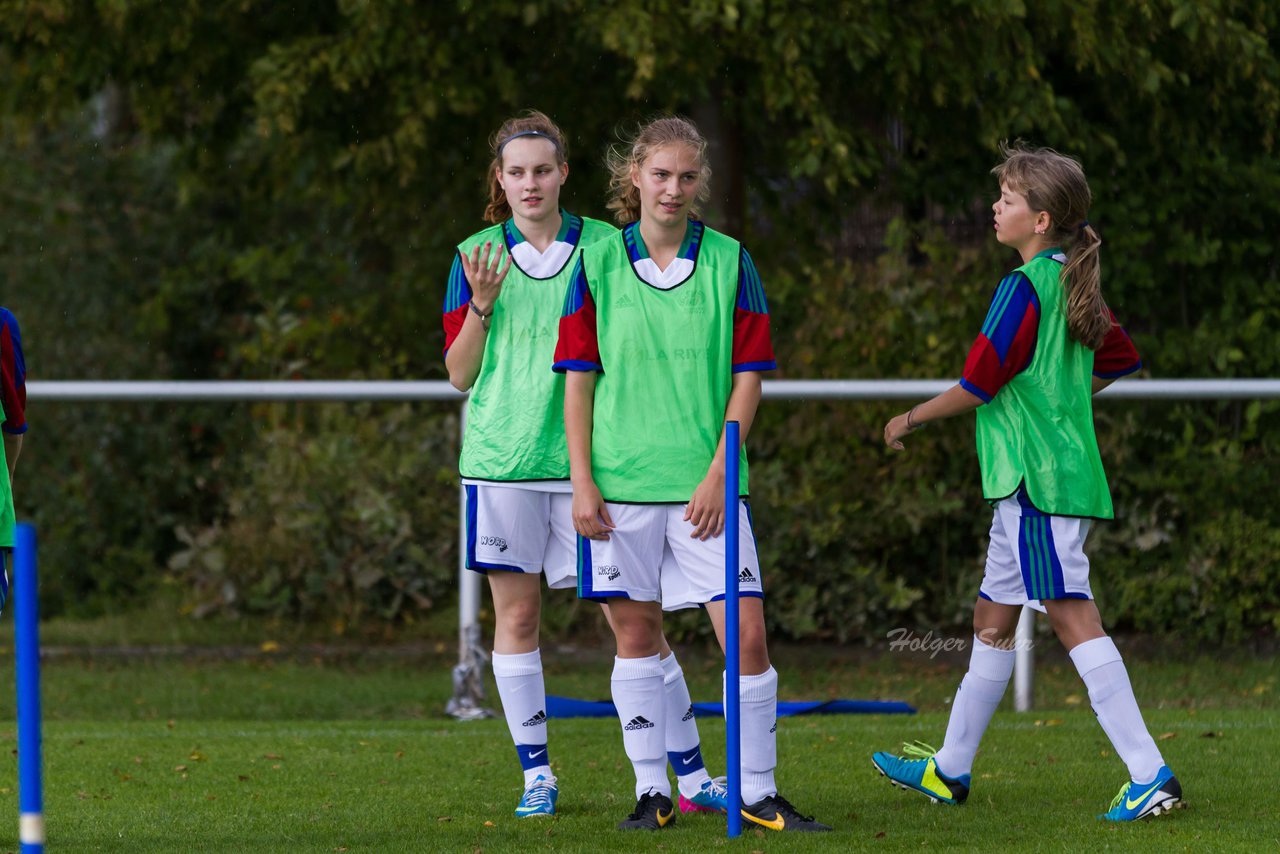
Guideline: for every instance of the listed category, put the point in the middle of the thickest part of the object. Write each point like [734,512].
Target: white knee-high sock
[758,711]
[684,748]
[971,710]
[640,698]
[1111,694]
[524,704]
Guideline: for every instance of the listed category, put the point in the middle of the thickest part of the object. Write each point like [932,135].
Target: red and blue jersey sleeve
[13,375]
[1117,357]
[1007,341]
[752,342]
[578,347]
[456,298]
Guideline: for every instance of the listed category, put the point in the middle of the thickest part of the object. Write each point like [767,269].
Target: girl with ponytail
[1048,344]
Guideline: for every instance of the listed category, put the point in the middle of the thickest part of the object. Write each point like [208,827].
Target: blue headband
[548,137]
[1083,226]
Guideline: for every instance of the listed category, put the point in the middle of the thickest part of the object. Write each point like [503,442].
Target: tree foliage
[263,190]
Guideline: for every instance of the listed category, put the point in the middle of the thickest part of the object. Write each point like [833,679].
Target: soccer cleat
[776,813]
[713,797]
[1136,801]
[539,798]
[653,812]
[917,770]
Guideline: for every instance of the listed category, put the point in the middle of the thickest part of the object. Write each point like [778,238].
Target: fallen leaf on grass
[444,818]
[881,835]
[242,778]
[272,756]
[179,768]
[1165,736]
[196,756]
[489,824]
[1211,734]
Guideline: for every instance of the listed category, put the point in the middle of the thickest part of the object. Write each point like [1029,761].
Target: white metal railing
[414,390]
[468,675]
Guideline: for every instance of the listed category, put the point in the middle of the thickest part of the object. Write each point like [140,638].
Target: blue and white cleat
[539,798]
[713,797]
[1137,801]
[917,770]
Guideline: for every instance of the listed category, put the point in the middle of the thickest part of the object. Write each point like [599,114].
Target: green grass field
[310,749]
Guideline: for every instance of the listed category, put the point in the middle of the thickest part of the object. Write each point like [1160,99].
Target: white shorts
[650,557]
[1035,556]
[510,529]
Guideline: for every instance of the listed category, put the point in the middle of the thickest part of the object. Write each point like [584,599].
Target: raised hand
[485,271]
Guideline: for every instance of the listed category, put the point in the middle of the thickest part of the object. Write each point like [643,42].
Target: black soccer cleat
[653,812]
[776,813]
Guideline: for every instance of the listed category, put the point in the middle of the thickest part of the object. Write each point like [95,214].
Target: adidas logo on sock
[539,718]
[746,575]
[688,716]
[639,722]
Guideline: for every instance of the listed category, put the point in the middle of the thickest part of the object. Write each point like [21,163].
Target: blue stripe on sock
[532,755]
[686,761]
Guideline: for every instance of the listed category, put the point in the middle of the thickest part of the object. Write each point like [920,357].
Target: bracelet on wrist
[484,318]
[910,425]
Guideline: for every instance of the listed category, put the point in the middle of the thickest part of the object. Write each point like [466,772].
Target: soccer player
[664,335]
[1048,344]
[13,399]
[500,321]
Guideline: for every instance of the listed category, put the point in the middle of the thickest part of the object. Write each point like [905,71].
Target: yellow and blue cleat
[917,770]
[539,798]
[1139,800]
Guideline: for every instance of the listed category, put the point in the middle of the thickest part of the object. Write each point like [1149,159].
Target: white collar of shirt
[664,280]
[542,265]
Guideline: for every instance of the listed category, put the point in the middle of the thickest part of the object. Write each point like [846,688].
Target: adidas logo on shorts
[746,575]
[539,718]
[609,571]
[494,541]
[639,722]
[688,716]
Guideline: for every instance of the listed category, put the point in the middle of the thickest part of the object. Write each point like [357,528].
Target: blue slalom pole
[732,653]
[27,654]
